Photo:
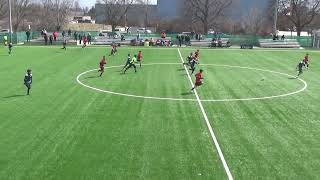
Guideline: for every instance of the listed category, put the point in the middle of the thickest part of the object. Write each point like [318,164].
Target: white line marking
[172,48]
[203,100]
[214,138]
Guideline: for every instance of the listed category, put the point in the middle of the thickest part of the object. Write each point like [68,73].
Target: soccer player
[28,80]
[10,48]
[102,63]
[127,63]
[306,60]
[189,59]
[193,63]
[113,50]
[300,68]
[132,64]
[198,80]
[139,58]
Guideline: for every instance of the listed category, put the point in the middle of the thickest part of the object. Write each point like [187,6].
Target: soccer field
[148,125]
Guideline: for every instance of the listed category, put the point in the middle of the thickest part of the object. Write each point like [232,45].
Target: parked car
[4,31]
[144,30]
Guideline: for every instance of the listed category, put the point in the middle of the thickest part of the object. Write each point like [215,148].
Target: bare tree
[146,10]
[116,11]
[54,13]
[19,12]
[300,13]
[207,11]
[253,22]
[3,8]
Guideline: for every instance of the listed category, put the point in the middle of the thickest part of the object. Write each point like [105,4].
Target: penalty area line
[213,136]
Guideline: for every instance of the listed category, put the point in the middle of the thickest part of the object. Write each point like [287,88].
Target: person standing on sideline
[28,35]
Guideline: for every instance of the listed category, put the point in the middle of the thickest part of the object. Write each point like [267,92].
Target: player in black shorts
[10,48]
[193,64]
[127,62]
[189,59]
[300,67]
[28,80]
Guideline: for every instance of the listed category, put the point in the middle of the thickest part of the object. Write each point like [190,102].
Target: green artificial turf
[64,130]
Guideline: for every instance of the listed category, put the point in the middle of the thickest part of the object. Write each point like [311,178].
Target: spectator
[151,42]
[219,42]
[163,35]
[188,39]
[89,38]
[63,34]
[50,39]
[28,35]
[283,38]
[69,32]
[46,39]
[55,36]
[75,36]
[183,39]
[214,42]
[80,38]
[179,39]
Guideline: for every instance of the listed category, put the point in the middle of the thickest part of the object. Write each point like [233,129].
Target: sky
[90,3]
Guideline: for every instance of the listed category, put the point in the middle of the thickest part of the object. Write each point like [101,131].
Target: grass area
[66,131]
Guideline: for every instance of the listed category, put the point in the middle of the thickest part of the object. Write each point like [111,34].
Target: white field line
[214,138]
[203,100]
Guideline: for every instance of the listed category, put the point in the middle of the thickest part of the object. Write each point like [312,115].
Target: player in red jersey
[306,60]
[114,49]
[139,58]
[102,63]
[85,40]
[198,80]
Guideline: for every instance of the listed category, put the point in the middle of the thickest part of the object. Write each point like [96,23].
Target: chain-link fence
[308,42]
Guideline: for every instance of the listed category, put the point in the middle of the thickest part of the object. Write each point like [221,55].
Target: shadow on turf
[14,96]
[92,77]
[186,93]
[182,69]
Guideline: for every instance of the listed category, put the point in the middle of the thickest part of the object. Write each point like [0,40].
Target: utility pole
[10,20]
[275,28]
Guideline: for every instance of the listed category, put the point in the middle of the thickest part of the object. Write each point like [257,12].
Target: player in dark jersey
[28,80]
[102,63]
[189,59]
[127,62]
[139,58]
[132,64]
[193,64]
[10,48]
[306,60]
[300,67]
[198,80]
